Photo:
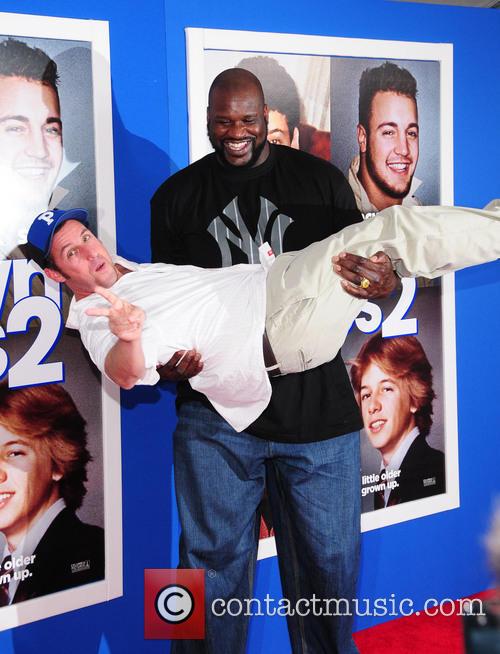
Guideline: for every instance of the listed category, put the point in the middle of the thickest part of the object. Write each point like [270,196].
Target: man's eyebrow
[386,380]
[276,131]
[16,441]
[54,119]
[22,119]
[25,119]
[227,114]
[392,124]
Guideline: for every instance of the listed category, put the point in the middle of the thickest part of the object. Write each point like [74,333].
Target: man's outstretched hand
[124,362]
[183,365]
[377,270]
[125,319]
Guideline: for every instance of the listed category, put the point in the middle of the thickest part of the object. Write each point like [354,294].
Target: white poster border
[198,41]
[97,34]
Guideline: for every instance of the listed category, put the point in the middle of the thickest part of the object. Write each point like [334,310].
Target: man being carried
[300,306]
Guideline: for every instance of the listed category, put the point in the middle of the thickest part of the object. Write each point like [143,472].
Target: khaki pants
[308,313]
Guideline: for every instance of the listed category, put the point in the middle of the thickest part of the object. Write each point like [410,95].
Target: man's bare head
[235,81]
[237,118]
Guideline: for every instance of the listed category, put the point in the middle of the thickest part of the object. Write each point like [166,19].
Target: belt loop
[272,367]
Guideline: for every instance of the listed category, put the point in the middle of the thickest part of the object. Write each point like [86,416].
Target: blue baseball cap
[42,230]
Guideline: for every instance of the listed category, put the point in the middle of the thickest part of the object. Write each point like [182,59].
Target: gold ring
[364,283]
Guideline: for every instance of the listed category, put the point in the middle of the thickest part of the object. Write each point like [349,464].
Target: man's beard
[390,191]
[256,151]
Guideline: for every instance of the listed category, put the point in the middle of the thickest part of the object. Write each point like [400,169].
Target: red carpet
[416,634]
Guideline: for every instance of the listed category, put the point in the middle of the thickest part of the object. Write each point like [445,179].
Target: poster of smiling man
[385,129]
[57,532]
[381,112]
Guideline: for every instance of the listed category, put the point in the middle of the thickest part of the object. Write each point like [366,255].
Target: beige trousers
[308,313]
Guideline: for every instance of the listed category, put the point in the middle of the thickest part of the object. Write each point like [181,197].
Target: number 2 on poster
[31,368]
[395,324]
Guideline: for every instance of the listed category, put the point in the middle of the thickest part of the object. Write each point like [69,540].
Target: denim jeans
[314,491]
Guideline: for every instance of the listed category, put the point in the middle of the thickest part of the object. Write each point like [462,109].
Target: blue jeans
[314,491]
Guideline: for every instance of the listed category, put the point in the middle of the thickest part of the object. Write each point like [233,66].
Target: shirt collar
[400,453]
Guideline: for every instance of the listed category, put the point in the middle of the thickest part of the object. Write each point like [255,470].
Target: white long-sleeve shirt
[218,312]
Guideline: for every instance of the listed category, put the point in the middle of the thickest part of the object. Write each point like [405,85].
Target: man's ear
[55,275]
[361,138]
[295,139]
[266,113]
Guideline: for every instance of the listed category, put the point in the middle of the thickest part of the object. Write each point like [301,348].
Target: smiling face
[389,148]
[388,414]
[28,484]
[81,259]
[30,144]
[237,125]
